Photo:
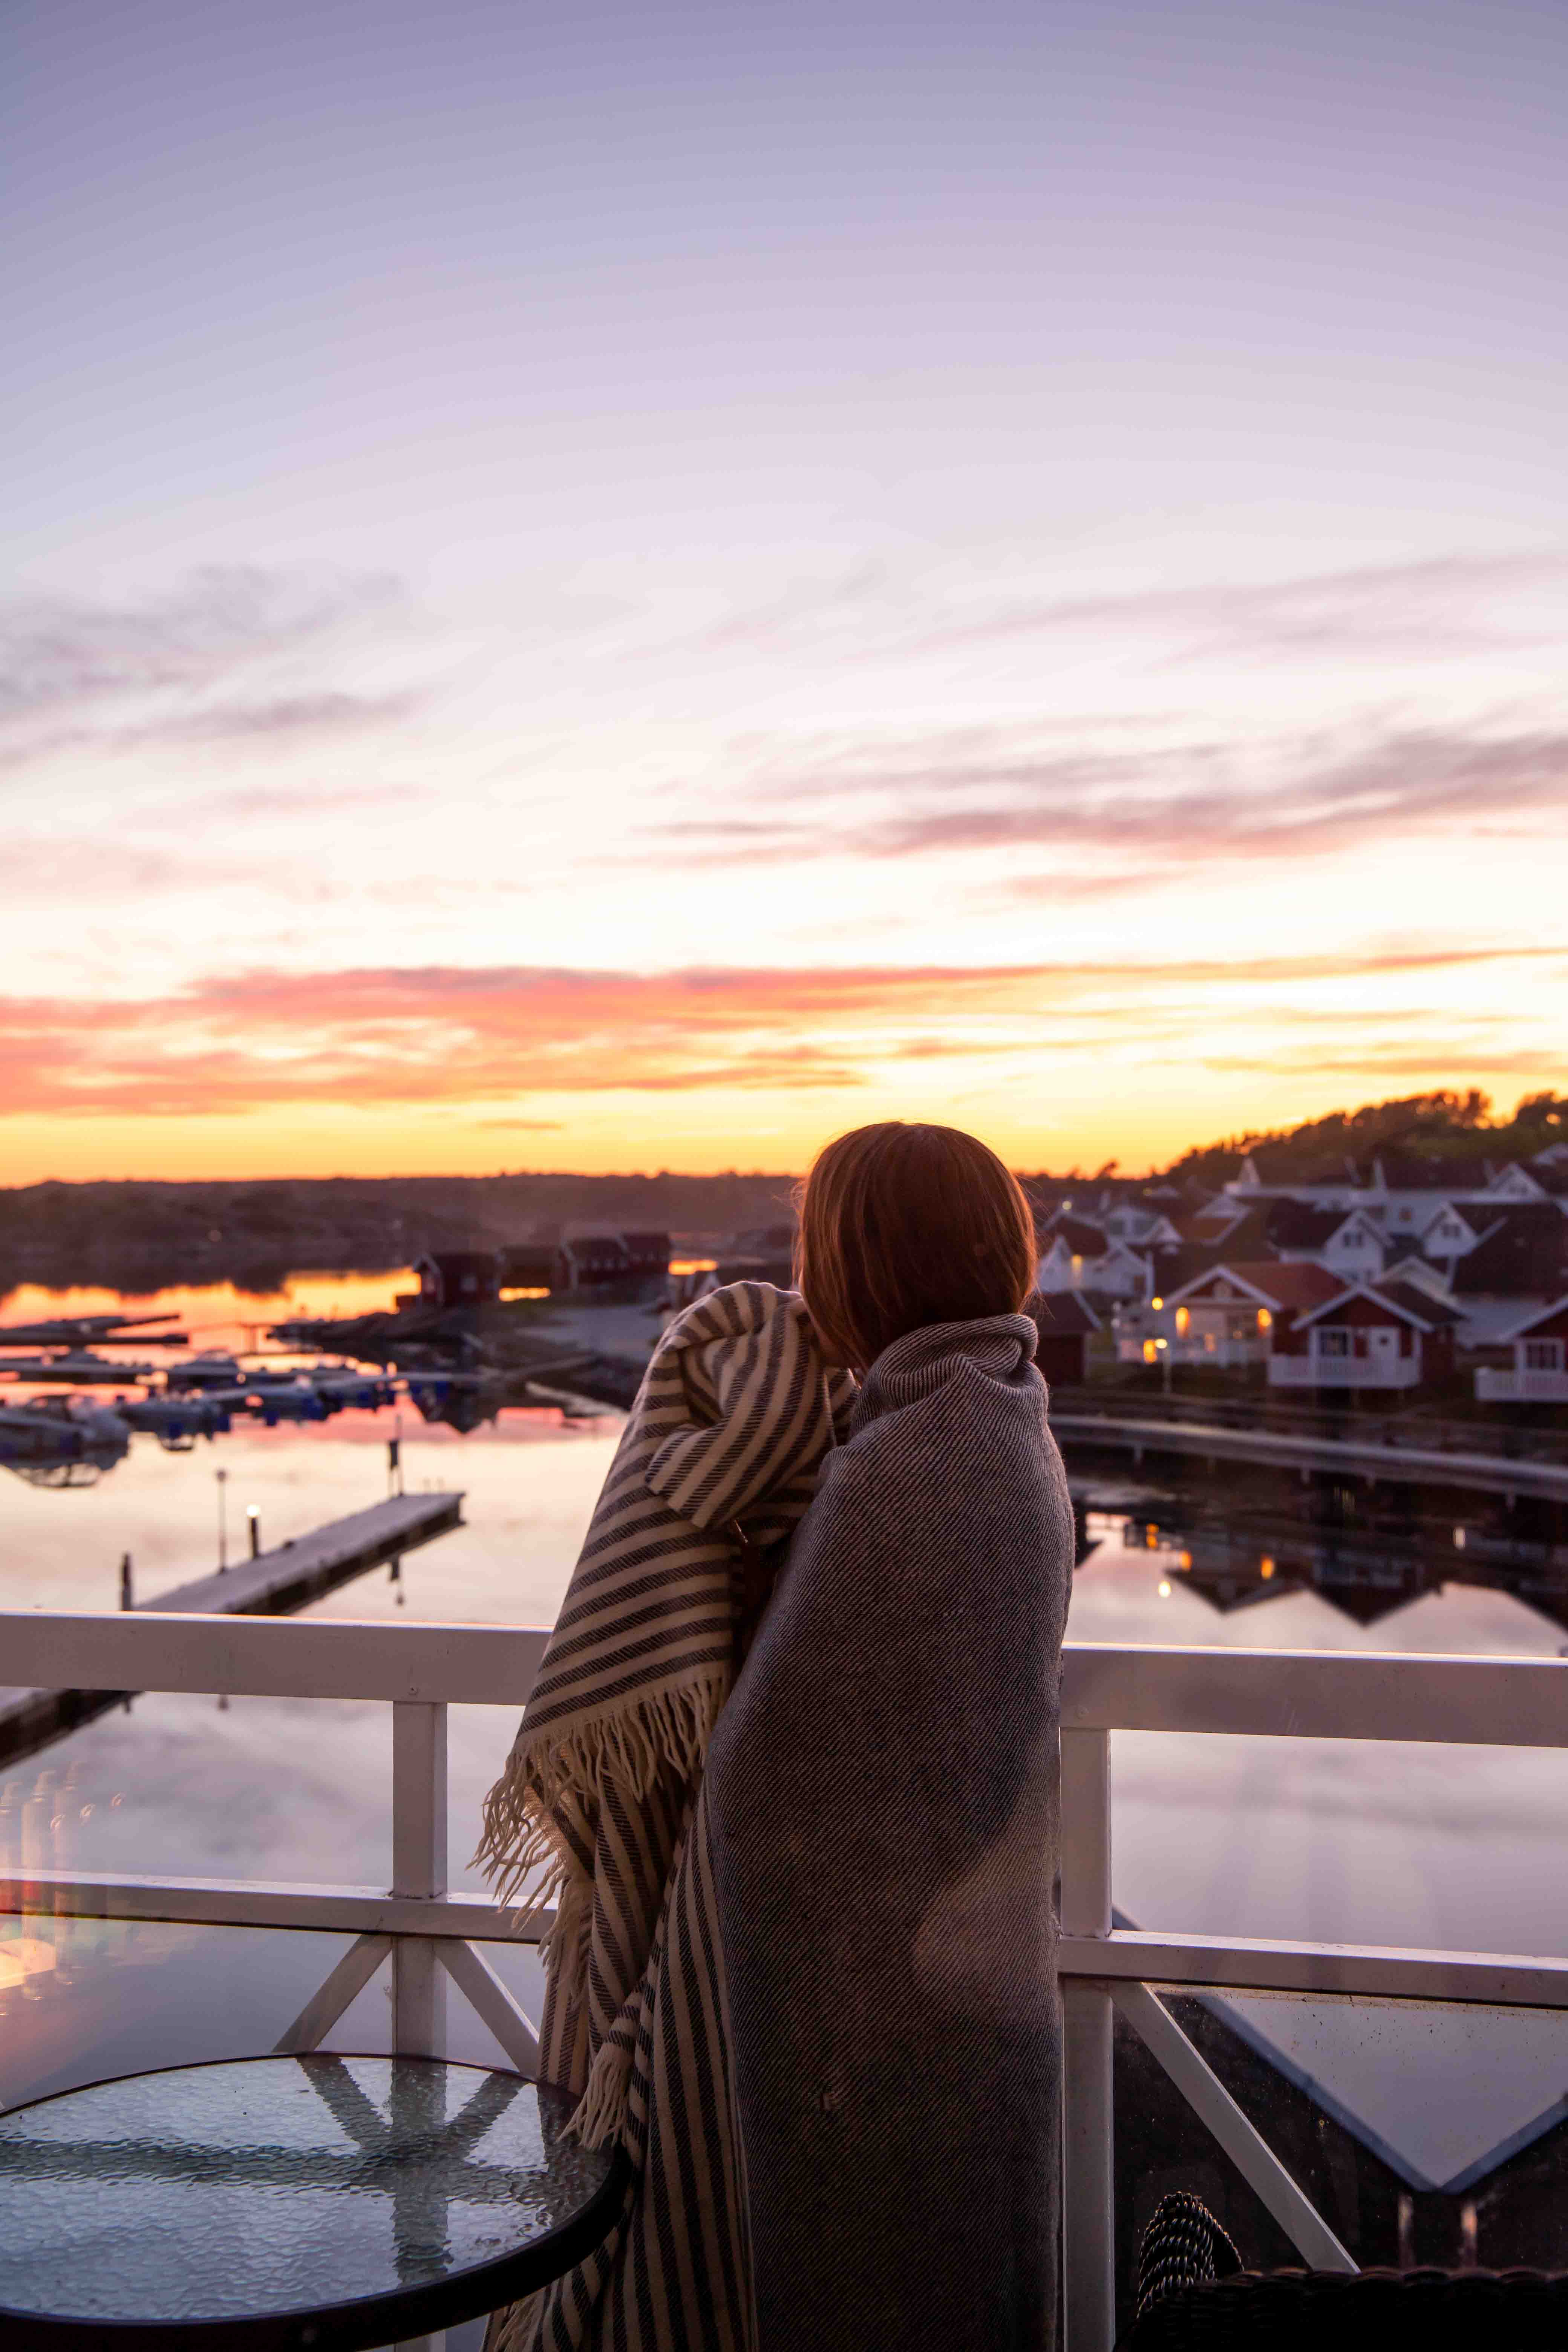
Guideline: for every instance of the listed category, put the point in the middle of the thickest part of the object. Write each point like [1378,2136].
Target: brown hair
[902,1226]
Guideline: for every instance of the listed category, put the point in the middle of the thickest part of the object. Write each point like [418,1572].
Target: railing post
[418,1868]
[1088,2235]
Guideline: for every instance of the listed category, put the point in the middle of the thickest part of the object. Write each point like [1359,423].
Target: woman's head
[903,1225]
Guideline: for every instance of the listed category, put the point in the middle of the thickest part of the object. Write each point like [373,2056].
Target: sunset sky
[632,586]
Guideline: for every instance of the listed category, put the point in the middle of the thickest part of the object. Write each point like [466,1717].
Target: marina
[1374,1847]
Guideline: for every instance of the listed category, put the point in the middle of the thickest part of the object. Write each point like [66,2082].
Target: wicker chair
[1194,2296]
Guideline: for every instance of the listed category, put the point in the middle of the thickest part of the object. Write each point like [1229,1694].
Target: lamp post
[222,1478]
[253,1520]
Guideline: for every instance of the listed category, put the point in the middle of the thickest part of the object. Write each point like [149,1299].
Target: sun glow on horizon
[937,579]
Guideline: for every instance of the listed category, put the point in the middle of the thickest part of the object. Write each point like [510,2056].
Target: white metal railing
[430,1931]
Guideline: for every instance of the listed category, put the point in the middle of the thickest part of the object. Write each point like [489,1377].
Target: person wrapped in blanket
[802,1963]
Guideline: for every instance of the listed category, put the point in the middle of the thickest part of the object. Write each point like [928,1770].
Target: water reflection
[70,1440]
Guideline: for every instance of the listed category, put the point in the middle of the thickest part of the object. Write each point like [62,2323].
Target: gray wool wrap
[882,1817]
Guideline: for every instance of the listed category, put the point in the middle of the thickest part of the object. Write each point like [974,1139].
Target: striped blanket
[599,1809]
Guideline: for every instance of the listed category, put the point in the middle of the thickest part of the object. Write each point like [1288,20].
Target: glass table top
[276,2185]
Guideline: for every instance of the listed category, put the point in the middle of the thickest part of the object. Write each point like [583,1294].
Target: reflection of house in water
[1364,1570]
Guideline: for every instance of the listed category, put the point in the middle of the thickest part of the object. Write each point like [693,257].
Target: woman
[830,2048]
[881,1789]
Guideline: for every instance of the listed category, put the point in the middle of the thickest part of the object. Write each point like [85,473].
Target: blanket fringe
[519,1836]
[602,2109]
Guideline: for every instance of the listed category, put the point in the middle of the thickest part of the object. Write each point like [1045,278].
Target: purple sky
[1072,497]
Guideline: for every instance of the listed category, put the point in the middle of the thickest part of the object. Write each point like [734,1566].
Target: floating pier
[273,1584]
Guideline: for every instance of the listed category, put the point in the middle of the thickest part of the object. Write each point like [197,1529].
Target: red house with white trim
[1540,1372]
[1369,1336]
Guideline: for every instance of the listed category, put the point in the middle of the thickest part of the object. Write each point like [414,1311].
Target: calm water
[1336,1841]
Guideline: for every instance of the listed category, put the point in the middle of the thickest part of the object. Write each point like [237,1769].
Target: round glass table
[268,2203]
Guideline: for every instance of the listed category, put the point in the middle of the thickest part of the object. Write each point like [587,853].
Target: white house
[1513,1182]
[1053,1271]
[1144,1226]
[1226,1316]
[1447,1234]
[1080,1256]
[1350,1244]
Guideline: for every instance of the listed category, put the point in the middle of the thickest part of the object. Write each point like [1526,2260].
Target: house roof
[458,1263]
[1061,1313]
[1082,1239]
[1403,1172]
[1437,1314]
[1538,1318]
[1523,1254]
[1401,1300]
[1213,1214]
[1298,1224]
[1341,1169]
[1244,1223]
[1174,1267]
[1267,1281]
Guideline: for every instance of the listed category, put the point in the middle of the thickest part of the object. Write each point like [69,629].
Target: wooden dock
[1368,1459]
[273,1584]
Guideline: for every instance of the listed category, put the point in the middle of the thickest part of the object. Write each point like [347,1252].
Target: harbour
[1386,1850]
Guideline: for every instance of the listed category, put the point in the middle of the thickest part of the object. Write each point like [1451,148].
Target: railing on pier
[430,1931]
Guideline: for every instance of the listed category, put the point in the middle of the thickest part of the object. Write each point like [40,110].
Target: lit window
[1184,1319]
[1265,1320]
[1265,1568]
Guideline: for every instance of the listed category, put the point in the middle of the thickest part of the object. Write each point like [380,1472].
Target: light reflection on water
[1334,1841]
[216,1314]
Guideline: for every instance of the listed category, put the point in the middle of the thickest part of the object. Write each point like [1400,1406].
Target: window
[1543,1355]
[1333,1342]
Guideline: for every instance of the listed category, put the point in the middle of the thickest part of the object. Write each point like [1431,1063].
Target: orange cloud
[380,1036]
